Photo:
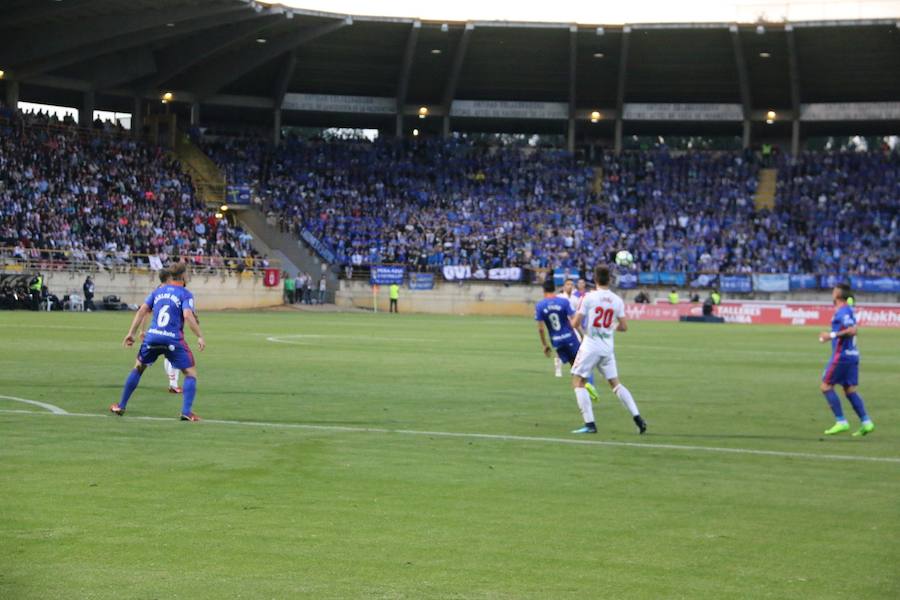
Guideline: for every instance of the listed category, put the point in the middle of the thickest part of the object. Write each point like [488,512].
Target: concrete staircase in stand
[295,254]
[209,181]
[597,184]
[765,189]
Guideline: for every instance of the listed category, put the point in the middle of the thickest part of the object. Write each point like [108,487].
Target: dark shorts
[176,352]
[567,351]
[841,373]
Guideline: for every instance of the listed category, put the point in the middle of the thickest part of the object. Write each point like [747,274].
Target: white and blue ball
[624,258]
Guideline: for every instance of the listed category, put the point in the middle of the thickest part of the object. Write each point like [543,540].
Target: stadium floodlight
[224,208]
[220,215]
[595,116]
[600,31]
[2,73]
[261,40]
[445,28]
[436,51]
[599,55]
[760,30]
[415,132]
[764,55]
[167,97]
[170,24]
[770,117]
[423,112]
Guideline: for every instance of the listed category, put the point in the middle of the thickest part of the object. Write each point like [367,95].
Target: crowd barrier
[769,313]
[745,283]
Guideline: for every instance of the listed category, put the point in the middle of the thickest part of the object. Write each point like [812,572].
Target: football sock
[856,402]
[627,400]
[131,383]
[172,372]
[190,389]
[835,404]
[557,364]
[590,379]
[584,403]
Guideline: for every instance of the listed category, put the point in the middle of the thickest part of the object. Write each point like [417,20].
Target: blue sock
[189,390]
[131,383]
[856,402]
[835,404]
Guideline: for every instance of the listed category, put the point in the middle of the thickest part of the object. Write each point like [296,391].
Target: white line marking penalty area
[49,407]
[497,437]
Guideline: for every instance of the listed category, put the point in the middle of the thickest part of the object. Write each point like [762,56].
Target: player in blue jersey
[552,315]
[843,367]
[566,293]
[171,306]
[171,372]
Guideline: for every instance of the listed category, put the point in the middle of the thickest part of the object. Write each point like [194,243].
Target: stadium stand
[428,204]
[73,195]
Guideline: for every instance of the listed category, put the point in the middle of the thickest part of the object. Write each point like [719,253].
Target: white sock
[584,403]
[557,364]
[172,373]
[627,401]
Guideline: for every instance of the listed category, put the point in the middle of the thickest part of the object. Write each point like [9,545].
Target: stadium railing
[35,259]
[34,122]
[727,282]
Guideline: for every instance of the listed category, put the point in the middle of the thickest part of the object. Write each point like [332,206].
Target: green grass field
[282,493]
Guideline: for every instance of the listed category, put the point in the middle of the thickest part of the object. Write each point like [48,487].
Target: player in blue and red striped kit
[843,367]
[172,306]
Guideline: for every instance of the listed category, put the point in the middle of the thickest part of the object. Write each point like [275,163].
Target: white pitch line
[297,339]
[510,438]
[52,408]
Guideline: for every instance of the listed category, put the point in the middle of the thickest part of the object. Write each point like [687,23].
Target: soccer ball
[624,258]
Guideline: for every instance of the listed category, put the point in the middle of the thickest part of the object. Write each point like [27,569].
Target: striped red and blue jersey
[843,348]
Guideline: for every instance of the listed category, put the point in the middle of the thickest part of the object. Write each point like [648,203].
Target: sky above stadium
[612,12]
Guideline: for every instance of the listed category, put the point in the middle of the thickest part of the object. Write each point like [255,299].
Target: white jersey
[574,300]
[601,310]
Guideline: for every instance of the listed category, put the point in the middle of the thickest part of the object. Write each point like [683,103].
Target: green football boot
[839,427]
[865,429]
[592,392]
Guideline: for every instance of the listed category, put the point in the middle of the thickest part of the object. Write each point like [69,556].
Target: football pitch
[381,456]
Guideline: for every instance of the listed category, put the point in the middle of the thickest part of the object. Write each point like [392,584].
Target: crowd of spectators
[840,213]
[69,194]
[430,203]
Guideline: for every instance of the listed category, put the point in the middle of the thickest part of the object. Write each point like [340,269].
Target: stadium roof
[244,55]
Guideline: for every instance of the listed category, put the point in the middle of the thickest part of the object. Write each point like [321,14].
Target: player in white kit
[603,313]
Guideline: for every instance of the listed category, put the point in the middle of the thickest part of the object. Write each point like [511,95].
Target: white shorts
[590,357]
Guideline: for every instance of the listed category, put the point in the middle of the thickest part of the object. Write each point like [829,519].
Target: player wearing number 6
[171,306]
[604,314]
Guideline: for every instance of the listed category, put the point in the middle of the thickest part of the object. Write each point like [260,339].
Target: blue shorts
[841,373]
[567,351]
[175,351]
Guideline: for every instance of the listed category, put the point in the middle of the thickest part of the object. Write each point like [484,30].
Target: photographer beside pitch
[171,306]
[843,367]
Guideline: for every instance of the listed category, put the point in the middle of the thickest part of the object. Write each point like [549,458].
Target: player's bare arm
[543,335]
[576,320]
[623,325]
[827,335]
[191,320]
[135,324]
